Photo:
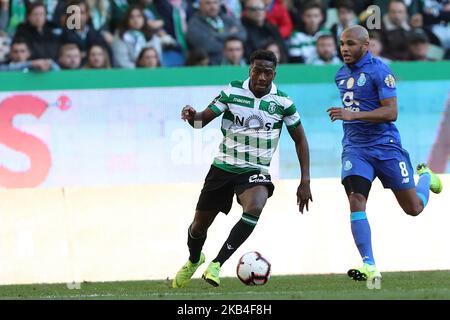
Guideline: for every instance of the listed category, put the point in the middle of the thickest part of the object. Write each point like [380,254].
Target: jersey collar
[245,85]
[364,59]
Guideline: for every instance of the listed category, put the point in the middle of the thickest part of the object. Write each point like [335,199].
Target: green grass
[395,285]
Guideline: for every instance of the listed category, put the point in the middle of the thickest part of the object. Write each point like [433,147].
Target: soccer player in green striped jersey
[253,111]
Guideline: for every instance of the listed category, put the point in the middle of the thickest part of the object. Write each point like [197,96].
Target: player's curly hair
[266,55]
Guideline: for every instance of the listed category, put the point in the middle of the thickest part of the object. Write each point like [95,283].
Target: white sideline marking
[81,296]
[147,294]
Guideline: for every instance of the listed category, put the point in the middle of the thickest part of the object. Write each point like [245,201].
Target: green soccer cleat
[435,181]
[211,275]
[366,272]
[183,277]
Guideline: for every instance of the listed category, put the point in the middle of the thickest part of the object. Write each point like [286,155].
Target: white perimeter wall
[139,232]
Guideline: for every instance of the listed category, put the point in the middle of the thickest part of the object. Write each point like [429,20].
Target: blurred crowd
[99,34]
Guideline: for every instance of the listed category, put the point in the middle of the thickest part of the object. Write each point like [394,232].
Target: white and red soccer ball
[253,269]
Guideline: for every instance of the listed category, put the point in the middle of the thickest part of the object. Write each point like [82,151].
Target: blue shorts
[390,164]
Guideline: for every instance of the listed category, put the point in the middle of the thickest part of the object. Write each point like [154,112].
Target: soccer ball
[253,269]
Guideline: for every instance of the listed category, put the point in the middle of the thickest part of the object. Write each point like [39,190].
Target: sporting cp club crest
[272,107]
[361,80]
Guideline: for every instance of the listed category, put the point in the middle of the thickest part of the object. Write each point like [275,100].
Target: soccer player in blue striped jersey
[371,143]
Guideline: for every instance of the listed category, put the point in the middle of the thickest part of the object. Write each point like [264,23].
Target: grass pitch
[395,285]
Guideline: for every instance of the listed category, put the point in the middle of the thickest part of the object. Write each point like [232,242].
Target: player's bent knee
[197,230]
[357,202]
[413,210]
[254,210]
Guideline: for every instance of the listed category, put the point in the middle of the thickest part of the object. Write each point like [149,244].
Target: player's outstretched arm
[387,112]
[301,147]
[196,119]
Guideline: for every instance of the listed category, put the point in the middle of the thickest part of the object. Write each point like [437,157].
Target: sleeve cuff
[294,125]
[215,109]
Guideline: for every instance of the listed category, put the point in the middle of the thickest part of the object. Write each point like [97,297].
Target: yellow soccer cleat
[211,275]
[183,277]
[435,181]
[366,272]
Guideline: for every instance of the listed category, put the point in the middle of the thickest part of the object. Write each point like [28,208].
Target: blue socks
[361,228]
[423,188]
[362,235]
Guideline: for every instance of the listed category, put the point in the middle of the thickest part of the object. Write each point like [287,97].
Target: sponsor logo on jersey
[254,122]
[349,100]
[390,81]
[353,109]
[341,82]
[350,83]
[348,165]
[361,80]
[258,178]
[405,180]
[242,101]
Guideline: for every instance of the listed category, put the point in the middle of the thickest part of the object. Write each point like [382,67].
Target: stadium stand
[178,28]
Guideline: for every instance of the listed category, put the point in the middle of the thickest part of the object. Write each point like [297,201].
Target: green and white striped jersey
[251,126]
